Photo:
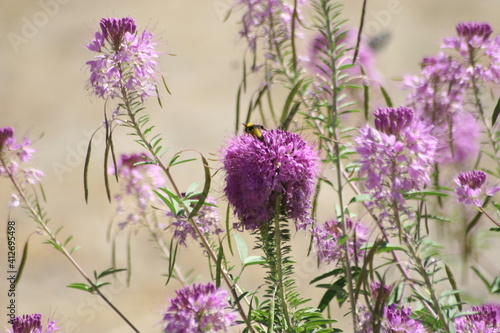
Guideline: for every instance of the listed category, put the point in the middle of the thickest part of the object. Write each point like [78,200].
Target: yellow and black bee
[255,130]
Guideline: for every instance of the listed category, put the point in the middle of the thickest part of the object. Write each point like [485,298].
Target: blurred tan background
[42,91]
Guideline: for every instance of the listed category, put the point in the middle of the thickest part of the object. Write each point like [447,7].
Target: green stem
[279,265]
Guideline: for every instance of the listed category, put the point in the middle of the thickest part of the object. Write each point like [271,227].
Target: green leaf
[386,96]
[254,260]
[242,247]
[24,258]
[289,101]
[218,270]
[206,188]
[482,277]
[109,271]
[496,112]
[453,284]
[495,229]
[495,286]
[360,198]
[81,286]
[86,169]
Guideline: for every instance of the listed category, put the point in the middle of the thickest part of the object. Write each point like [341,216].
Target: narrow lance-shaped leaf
[496,112]
[24,258]
[206,188]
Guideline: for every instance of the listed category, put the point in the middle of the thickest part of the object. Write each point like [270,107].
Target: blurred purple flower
[326,237]
[207,221]
[366,58]
[200,309]
[281,167]
[13,156]
[394,320]
[380,292]
[125,61]
[396,157]
[486,320]
[31,323]
[140,178]
[269,20]
[469,187]
[480,54]
[399,320]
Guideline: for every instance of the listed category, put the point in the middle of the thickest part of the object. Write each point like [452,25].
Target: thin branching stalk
[41,221]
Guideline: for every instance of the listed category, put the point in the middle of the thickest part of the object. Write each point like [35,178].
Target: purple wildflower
[140,178]
[125,63]
[399,320]
[198,309]
[326,239]
[486,320]
[379,291]
[6,135]
[394,320]
[469,187]
[396,157]
[281,167]
[269,20]
[366,58]
[31,323]
[479,53]
[207,221]
[14,155]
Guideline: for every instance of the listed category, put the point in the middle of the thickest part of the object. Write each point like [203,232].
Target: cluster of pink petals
[125,62]
[13,161]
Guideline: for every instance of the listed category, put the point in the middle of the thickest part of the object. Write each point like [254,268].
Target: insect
[255,130]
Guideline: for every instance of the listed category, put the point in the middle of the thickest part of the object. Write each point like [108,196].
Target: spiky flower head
[280,167]
[474,32]
[198,309]
[31,323]
[486,319]
[469,187]
[396,157]
[125,62]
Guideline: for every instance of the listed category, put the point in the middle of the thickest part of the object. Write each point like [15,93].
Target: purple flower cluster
[207,221]
[139,181]
[469,187]
[441,93]
[379,291]
[31,323]
[396,156]
[13,156]
[281,167]
[198,309]
[125,61]
[486,320]
[269,20]
[326,239]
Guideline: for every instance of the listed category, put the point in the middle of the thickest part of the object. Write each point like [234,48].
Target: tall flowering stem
[134,78]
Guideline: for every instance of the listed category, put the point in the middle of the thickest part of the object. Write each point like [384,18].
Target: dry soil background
[42,80]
